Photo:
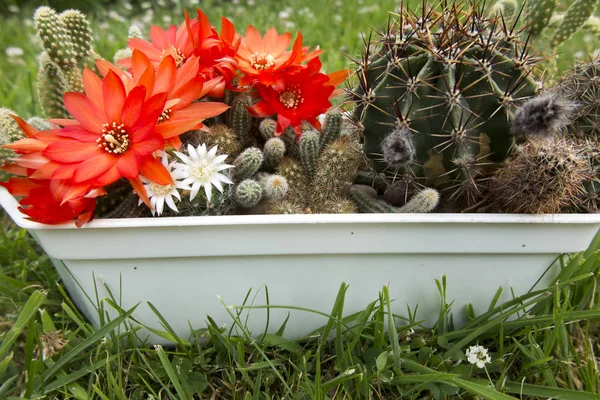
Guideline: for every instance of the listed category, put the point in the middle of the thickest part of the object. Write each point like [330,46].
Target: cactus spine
[331,128]
[309,152]
[274,151]
[452,78]
[241,118]
[248,193]
[247,164]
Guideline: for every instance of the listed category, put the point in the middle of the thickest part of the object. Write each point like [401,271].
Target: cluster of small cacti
[67,42]
[436,91]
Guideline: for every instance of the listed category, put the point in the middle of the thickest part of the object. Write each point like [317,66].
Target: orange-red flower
[183,85]
[304,96]
[42,201]
[216,52]
[114,137]
[264,59]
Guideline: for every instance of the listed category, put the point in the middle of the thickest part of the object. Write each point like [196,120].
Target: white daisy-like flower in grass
[478,355]
[161,194]
[202,168]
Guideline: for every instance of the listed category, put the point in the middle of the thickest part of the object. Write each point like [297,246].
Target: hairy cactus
[291,170]
[285,207]
[582,86]
[247,163]
[274,151]
[223,136]
[423,202]
[544,177]
[275,187]
[248,193]
[451,78]
[542,116]
[267,128]
[397,147]
[9,132]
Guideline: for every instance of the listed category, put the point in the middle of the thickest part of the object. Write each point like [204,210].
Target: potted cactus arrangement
[235,161]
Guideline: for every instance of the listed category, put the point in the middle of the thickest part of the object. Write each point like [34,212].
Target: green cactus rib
[331,128]
[455,93]
[537,14]
[247,164]
[291,142]
[577,14]
[309,152]
[423,202]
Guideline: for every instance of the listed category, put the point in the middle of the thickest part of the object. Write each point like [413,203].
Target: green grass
[543,345]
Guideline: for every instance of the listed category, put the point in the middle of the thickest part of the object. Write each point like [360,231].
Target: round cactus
[248,193]
[452,77]
[247,164]
[275,187]
[274,152]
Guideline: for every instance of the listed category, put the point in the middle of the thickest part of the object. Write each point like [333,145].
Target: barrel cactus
[445,83]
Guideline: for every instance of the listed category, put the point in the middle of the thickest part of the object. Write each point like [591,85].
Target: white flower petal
[186,160]
[217,184]
[208,191]
[222,178]
[171,204]
[220,159]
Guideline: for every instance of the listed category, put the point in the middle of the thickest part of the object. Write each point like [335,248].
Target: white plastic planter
[182,264]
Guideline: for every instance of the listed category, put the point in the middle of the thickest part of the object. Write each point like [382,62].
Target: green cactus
[51,88]
[291,170]
[79,33]
[274,151]
[248,193]
[335,205]
[291,141]
[424,201]
[55,37]
[537,14]
[39,123]
[331,128]
[9,133]
[309,152]
[247,164]
[452,78]
[240,118]
[267,128]
[577,14]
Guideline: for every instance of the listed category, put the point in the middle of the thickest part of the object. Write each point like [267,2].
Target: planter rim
[10,204]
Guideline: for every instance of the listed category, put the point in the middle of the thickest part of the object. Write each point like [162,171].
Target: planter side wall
[186,288]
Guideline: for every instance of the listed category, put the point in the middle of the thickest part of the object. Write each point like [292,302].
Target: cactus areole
[453,75]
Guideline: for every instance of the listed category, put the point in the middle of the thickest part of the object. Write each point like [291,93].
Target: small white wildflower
[13,51]
[284,14]
[337,18]
[13,8]
[127,6]
[250,2]
[167,19]
[478,355]
[145,5]
[28,22]
[112,14]
[201,168]
[578,54]
[289,25]
[161,194]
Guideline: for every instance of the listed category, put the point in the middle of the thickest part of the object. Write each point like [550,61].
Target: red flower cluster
[126,116]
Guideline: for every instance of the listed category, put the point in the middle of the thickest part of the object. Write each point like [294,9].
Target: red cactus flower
[304,96]
[183,85]
[114,137]
[42,201]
